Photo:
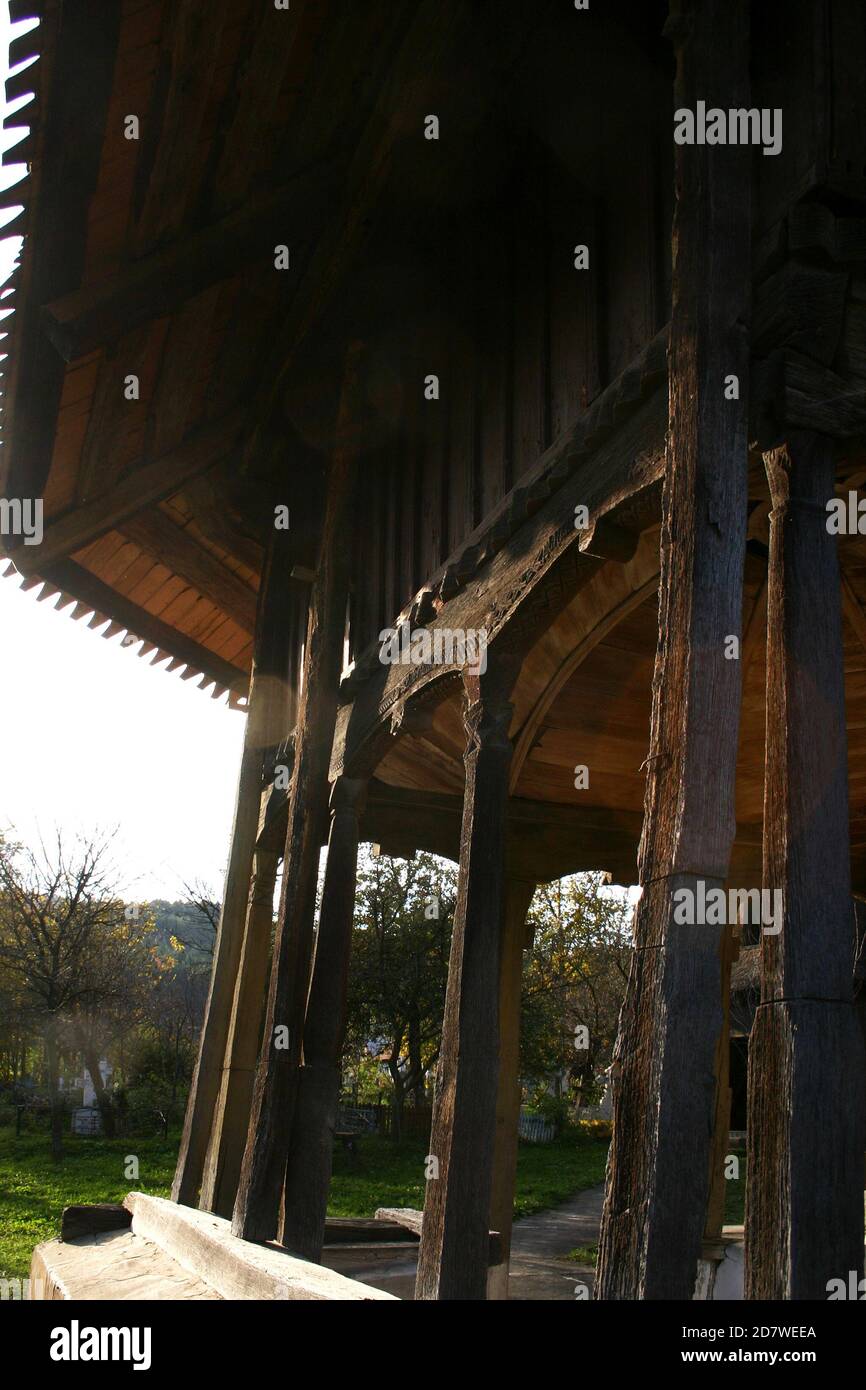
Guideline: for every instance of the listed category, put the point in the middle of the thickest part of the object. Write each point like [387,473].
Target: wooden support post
[308,1170]
[455,1239]
[664,1088]
[518,897]
[230,934]
[729,950]
[804,1217]
[229,1132]
[257,1207]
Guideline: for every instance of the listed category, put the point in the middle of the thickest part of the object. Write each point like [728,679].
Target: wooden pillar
[518,897]
[664,1092]
[207,1077]
[804,1220]
[729,950]
[229,1132]
[257,1207]
[308,1170]
[455,1238]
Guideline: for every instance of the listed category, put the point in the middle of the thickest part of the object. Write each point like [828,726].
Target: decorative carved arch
[614,592]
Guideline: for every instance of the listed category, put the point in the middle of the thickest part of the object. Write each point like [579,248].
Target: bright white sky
[92,737]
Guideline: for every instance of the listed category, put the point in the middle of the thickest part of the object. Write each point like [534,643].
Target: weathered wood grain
[174,547]
[222,1164]
[207,1078]
[657,1183]
[260,1187]
[807,1082]
[518,897]
[308,1168]
[148,484]
[454,1253]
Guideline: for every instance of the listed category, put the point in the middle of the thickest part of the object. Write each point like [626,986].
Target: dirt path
[539,1246]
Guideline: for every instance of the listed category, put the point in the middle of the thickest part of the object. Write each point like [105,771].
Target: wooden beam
[729,950]
[74,97]
[172,147]
[256,1212]
[853,611]
[274,711]
[518,899]
[233,1268]
[208,1075]
[175,548]
[531,579]
[308,1168]
[663,1102]
[454,1254]
[162,281]
[208,496]
[111,415]
[228,1132]
[807,1126]
[147,485]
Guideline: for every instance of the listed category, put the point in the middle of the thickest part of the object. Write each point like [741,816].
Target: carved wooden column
[664,1094]
[308,1170]
[455,1237]
[228,1137]
[256,1213]
[518,897]
[804,1218]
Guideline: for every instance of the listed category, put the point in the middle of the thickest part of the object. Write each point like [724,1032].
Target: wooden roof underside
[154,512]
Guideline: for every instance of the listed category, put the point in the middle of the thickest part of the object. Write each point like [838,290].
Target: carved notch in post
[308,1170]
[455,1238]
[804,1210]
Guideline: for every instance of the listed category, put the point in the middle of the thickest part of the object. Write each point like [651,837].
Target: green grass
[583,1254]
[735,1193]
[34,1191]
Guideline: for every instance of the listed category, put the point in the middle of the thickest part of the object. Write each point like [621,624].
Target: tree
[404,911]
[70,950]
[574,980]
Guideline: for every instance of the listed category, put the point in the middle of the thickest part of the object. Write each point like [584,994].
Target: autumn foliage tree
[574,981]
[404,909]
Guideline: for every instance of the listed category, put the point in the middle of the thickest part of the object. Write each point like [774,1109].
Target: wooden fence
[416,1121]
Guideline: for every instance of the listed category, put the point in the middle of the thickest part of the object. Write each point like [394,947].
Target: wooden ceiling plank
[93,595]
[172,545]
[109,415]
[170,408]
[147,485]
[75,98]
[160,282]
[219,522]
[191,50]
